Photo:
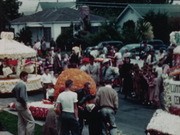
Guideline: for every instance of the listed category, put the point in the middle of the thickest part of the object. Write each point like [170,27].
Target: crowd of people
[110,70]
[134,80]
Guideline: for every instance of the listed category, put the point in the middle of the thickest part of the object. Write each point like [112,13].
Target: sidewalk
[5,133]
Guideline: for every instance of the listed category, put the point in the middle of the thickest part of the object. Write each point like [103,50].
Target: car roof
[154,41]
[134,45]
[111,41]
[114,43]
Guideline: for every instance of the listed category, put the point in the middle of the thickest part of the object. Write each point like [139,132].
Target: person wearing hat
[126,75]
[93,69]
[107,71]
[84,65]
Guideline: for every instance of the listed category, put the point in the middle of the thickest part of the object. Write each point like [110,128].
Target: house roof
[171,10]
[51,5]
[55,15]
[143,9]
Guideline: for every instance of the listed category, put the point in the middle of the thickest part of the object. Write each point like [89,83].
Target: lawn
[9,121]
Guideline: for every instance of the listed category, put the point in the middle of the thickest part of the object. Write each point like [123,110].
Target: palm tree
[144,30]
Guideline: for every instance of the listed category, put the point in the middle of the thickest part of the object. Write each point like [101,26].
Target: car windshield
[113,43]
[123,49]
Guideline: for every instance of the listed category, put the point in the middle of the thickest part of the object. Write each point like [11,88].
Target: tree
[160,23]
[144,30]
[174,24]
[108,31]
[8,11]
[64,40]
[24,36]
[129,32]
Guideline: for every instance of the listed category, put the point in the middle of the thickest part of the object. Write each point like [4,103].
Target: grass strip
[9,121]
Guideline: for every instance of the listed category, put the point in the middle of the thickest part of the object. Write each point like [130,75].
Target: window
[64,29]
[47,33]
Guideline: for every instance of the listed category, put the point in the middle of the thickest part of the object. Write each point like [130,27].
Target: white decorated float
[14,58]
[167,121]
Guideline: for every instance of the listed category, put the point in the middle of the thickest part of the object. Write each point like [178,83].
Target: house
[137,11]
[29,7]
[51,5]
[50,23]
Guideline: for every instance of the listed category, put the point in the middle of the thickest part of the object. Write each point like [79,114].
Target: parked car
[116,44]
[101,45]
[157,44]
[135,49]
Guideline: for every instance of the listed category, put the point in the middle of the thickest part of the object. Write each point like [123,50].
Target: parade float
[14,58]
[167,121]
[40,109]
[78,77]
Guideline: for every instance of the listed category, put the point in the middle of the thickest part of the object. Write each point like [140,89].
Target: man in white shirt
[46,79]
[67,101]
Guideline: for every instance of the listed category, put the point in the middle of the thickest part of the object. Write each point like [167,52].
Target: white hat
[105,61]
[128,54]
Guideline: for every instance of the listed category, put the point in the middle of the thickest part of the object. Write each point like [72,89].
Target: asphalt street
[131,117]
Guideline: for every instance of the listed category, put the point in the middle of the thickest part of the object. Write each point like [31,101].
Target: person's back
[107,100]
[67,101]
[107,97]
[19,92]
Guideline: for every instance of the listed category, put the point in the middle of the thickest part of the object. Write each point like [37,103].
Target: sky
[29,6]
[176,2]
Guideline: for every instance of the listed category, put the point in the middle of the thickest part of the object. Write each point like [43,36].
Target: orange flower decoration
[78,77]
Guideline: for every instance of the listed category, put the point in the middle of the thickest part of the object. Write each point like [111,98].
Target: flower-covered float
[78,77]
[167,121]
[40,109]
[14,58]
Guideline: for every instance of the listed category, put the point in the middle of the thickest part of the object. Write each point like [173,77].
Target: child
[152,85]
